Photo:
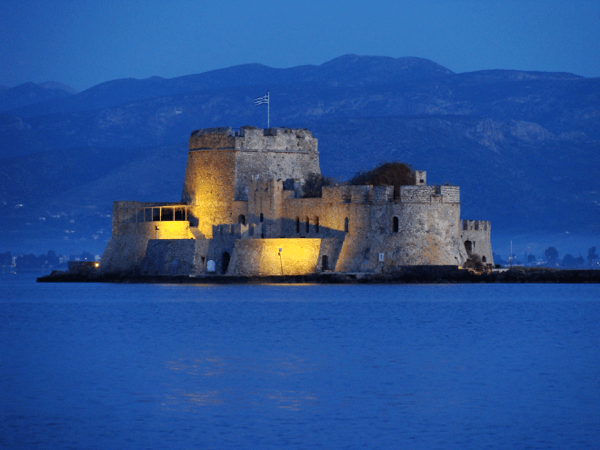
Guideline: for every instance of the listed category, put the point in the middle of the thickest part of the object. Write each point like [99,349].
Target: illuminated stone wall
[222,164]
[262,257]
[209,188]
[242,201]
[361,219]
[129,239]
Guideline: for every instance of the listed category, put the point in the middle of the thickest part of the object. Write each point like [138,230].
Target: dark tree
[551,256]
[475,262]
[592,256]
[313,185]
[52,258]
[569,262]
[387,174]
[6,259]
[30,261]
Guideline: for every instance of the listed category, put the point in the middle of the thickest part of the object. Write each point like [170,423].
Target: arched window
[297,224]
[242,219]
[346,225]
[307,225]
[395,225]
[261,217]
[317,225]
[484,259]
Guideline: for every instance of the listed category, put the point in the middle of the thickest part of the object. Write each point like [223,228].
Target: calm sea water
[97,366]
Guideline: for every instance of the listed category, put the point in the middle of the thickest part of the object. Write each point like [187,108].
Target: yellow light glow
[263,257]
[297,256]
[173,230]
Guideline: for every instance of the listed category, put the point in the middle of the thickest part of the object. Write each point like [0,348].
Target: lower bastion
[243,213]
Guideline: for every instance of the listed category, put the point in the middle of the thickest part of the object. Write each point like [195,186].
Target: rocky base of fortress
[406,275]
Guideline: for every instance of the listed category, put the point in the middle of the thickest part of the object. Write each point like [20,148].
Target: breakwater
[414,274]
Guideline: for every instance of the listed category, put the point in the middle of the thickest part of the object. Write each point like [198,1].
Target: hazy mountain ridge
[31,94]
[561,109]
[348,70]
[523,146]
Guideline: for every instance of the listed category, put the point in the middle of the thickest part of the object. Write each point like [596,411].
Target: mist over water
[348,366]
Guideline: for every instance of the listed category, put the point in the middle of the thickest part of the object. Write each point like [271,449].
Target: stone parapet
[429,194]
[286,140]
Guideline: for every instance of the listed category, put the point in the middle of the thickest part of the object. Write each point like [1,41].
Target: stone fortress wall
[476,237]
[243,213]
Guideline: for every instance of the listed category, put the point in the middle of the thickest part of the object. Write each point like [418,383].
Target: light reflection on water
[164,366]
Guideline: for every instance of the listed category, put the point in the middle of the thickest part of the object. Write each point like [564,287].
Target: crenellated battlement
[251,139]
[476,225]
[383,194]
[243,210]
[430,194]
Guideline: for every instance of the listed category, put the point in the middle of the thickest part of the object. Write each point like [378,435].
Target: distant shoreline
[407,275]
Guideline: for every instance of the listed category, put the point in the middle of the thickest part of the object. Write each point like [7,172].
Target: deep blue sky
[82,43]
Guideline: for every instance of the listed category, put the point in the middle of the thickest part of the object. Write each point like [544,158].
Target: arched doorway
[242,219]
[225,262]
[468,247]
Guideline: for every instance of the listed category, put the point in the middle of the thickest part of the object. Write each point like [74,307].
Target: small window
[297,224]
[465,225]
[307,225]
[242,219]
[262,217]
[346,225]
[324,263]
[484,259]
[317,225]
[395,225]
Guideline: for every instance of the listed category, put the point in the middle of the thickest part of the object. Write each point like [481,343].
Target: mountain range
[523,146]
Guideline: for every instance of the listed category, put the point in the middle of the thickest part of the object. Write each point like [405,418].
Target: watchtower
[222,163]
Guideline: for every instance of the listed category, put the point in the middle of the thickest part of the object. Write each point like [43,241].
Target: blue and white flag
[262,100]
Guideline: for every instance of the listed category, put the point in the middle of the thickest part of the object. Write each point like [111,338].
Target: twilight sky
[83,43]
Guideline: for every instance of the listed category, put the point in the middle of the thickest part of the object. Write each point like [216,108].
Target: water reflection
[234,375]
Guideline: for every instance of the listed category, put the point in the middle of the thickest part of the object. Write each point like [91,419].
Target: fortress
[243,212]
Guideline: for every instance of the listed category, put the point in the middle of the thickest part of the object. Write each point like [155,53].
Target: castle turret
[222,164]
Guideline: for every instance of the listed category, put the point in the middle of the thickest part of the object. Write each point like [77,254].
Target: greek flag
[262,100]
